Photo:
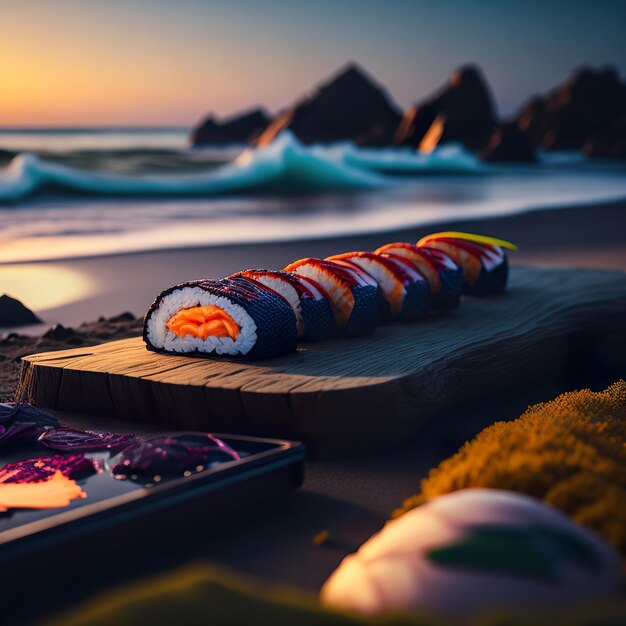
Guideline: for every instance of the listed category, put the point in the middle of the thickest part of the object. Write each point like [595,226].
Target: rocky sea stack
[14,313]
[587,113]
[461,111]
[349,107]
[239,129]
[508,144]
[584,112]
[609,143]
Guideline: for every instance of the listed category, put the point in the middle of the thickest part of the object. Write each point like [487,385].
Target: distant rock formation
[349,107]
[242,128]
[14,313]
[610,143]
[461,111]
[587,112]
[587,105]
[508,144]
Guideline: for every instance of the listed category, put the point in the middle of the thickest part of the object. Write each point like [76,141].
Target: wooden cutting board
[352,395]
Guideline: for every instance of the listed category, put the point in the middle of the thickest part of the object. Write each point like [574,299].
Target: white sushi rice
[160,336]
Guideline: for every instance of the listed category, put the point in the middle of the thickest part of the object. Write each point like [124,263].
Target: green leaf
[536,552]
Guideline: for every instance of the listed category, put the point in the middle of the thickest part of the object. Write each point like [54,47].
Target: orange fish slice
[470,262]
[340,294]
[203,322]
[389,277]
[420,260]
[57,491]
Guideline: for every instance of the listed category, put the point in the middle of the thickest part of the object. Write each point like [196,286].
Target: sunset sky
[114,62]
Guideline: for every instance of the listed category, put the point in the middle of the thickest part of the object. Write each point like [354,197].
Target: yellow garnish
[321,538]
[484,239]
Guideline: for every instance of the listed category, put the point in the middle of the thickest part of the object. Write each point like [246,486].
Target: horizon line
[102,127]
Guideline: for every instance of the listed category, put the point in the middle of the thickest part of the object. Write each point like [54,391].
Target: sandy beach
[432,435]
[588,236]
[350,499]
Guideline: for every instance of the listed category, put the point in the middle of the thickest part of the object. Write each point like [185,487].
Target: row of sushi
[260,313]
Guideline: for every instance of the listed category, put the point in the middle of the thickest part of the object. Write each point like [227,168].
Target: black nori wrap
[491,281]
[449,294]
[274,318]
[319,321]
[416,302]
[365,313]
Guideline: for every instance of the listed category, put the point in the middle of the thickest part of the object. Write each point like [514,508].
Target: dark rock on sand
[349,107]
[14,346]
[610,143]
[461,111]
[58,332]
[238,129]
[14,313]
[588,104]
[508,144]
[127,316]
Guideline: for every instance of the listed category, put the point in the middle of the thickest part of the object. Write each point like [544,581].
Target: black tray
[122,521]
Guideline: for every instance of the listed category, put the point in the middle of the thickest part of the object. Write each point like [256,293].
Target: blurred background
[140,141]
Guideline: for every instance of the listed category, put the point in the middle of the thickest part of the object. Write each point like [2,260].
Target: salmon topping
[470,263]
[203,322]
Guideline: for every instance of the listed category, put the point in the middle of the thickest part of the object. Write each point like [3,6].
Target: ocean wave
[286,166]
[448,159]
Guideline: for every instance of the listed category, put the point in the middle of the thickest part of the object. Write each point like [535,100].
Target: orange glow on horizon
[99,66]
[104,63]
[84,85]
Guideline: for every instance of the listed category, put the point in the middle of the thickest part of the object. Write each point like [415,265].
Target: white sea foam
[287,191]
[284,166]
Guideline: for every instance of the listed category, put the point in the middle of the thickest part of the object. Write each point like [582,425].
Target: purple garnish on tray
[41,468]
[19,432]
[67,439]
[21,423]
[24,412]
[177,454]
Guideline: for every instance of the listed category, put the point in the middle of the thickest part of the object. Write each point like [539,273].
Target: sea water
[83,192]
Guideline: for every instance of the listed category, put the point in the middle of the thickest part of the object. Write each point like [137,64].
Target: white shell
[393,569]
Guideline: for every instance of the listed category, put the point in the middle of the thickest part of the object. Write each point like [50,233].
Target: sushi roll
[310,304]
[483,259]
[444,276]
[230,317]
[353,294]
[405,292]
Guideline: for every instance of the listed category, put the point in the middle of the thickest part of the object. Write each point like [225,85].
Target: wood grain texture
[352,395]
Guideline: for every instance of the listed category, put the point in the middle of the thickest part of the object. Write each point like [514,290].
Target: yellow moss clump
[569,452]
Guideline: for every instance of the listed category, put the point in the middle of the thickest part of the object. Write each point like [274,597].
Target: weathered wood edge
[387,411]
